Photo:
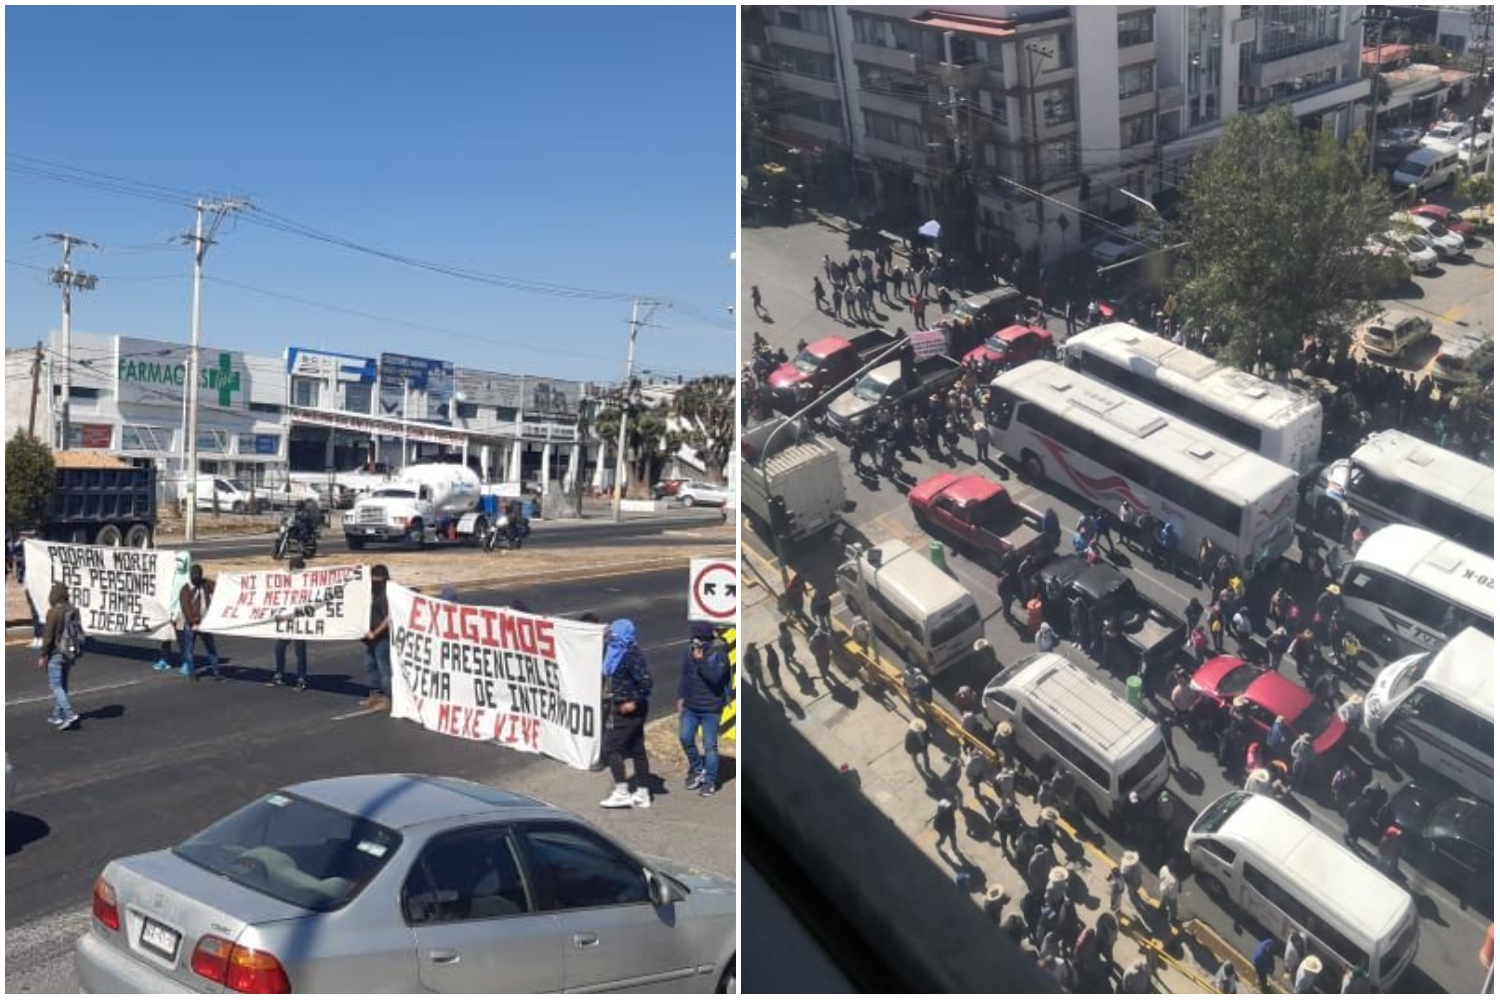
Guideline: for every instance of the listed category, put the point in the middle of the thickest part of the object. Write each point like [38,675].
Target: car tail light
[106,909]
[240,969]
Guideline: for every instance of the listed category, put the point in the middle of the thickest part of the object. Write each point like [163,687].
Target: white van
[1429,167]
[1058,710]
[228,496]
[1286,875]
[931,618]
[1437,711]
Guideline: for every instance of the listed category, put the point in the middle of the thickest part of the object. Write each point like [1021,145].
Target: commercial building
[883,100]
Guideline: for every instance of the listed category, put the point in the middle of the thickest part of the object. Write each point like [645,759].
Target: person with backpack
[194,598]
[628,698]
[702,693]
[62,645]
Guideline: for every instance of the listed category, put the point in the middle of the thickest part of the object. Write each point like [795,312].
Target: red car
[1447,217]
[1014,345]
[1269,694]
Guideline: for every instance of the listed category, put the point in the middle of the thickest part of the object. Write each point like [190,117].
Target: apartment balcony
[1130,55]
[881,150]
[892,104]
[1138,104]
[804,84]
[777,35]
[1169,98]
[1295,67]
[963,76]
[878,55]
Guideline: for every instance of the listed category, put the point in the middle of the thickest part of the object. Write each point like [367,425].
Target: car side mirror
[662,893]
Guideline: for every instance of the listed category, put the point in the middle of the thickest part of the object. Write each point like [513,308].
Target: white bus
[1394,478]
[1273,421]
[1105,446]
[1408,590]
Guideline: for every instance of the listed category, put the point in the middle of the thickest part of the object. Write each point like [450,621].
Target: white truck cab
[425,504]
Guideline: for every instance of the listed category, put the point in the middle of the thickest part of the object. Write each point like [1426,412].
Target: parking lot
[1457,297]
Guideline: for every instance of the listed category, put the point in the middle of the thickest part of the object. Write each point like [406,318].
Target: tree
[30,477]
[1277,220]
[648,442]
[704,409]
[1480,189]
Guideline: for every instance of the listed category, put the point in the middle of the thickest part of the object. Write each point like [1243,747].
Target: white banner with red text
[324,603]
[523,681]
[118,591]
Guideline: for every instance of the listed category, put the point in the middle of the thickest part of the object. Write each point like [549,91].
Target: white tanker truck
[423,505]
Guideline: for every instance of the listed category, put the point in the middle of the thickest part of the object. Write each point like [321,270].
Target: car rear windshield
[294,850]
[1314,719]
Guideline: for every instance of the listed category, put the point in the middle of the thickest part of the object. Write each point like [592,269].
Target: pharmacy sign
[159,376]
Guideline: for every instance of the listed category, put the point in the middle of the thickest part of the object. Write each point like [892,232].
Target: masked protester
[195,597]
[701,696]
[628,697]
[378,642]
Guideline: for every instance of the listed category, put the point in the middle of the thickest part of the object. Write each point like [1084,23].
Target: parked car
[695,494]
[1394,143]
[333,496]
[1148,630]
[1438,236]
[1447,132]
[1123,244]
[1447,217]
[1390,335]
[1410,247]
[1450,366]
[1014,345]
[291,495]
[404,884]
[1474,149]
[1268,694]
[666,488]
[1447,835]
[229,496]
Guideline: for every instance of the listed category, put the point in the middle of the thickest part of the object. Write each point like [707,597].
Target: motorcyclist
[307,521]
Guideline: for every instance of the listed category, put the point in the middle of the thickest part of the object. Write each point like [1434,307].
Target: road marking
[72,694]
[355,714]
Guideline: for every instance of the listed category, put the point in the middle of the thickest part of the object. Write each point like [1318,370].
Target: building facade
[884,100]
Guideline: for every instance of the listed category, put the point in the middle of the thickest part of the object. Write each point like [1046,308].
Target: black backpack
[71,641]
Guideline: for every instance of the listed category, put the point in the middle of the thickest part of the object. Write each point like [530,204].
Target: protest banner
[482,673]
[125,592]
[322,603]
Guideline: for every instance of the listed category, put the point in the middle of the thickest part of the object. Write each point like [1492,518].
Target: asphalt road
[633,529]
[157,757]
[776,259]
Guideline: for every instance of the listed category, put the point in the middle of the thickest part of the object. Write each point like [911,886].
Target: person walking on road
[1167,887]
[982,441]
[760,310]
[1005,587]
[61,630]
[195,597]
[819,296]
[918,744]
[1264,962]
[838,303]
[378,642]
[821,607]
[628,697]
[702,692]
[945,824]
[299,646]
[773,664]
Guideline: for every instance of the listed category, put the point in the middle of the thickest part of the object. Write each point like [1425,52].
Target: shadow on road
[22,829]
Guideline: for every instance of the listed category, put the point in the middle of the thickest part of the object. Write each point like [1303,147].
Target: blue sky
[588,148]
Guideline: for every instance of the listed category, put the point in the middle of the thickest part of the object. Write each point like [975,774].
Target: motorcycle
[294,538]
[511,532]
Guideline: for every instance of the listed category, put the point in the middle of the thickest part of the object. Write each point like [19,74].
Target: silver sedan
[405,884]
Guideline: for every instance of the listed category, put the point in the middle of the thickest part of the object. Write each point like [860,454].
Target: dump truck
[98,499]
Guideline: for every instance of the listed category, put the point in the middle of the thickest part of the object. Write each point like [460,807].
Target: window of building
[813,20]
[1065,50]
[1292,87]
[306,391]
[1137,80]
[1056,104]
[891,83]
[794,60]
[1291,29]
[886,34]
[468,411]
[889,128]
[802,105]
[269,409]
[1137,29]
[358,397]
[1059,158]
[1204,65]
[1137,129]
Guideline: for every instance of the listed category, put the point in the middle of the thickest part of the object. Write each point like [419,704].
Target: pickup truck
[823,364]
[1151,633]
[889,385]
[979,513]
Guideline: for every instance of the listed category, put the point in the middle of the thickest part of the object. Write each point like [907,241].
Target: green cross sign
[224,379]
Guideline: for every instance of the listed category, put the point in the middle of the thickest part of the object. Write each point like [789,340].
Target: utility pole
[952,98]
[201,243]
[1375,94]
[635,327]
[68,279]
[36,388]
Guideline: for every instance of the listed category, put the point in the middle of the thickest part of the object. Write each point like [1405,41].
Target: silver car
[404,884]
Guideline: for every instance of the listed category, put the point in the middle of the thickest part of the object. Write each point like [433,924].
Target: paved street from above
[781,261]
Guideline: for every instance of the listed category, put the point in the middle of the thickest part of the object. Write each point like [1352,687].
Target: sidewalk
[865,738]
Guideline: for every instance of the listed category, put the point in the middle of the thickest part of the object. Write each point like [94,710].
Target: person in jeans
[194,598]
[628,698]
[701,696]
[52,659]
[299,646]
[378,642]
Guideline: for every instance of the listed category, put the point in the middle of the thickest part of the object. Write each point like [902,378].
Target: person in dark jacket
[52,659]
[628,697]
[195,597]
[701,695]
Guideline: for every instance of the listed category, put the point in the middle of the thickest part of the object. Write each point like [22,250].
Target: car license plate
[370,531]
[159,939]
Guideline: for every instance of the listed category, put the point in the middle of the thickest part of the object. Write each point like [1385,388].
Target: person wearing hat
[1258,782]
[1308,972]
[1390,851]
[1008,825]
[1352,712]
[1166,888]
[917,743]
[994,902]
[1038,867]
[946,825]
[1057,885]
[1302,759]
[702,693]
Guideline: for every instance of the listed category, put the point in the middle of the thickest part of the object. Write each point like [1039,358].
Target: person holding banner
[195,597]
[701,696]
[628,696]
[299,646]
[378,642]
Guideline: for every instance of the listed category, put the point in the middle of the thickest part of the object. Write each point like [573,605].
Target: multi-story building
[1034,99]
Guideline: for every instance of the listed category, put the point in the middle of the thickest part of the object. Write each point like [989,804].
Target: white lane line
[72,694]
[355,715]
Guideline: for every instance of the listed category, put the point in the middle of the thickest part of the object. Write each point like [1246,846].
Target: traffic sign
[713,591]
